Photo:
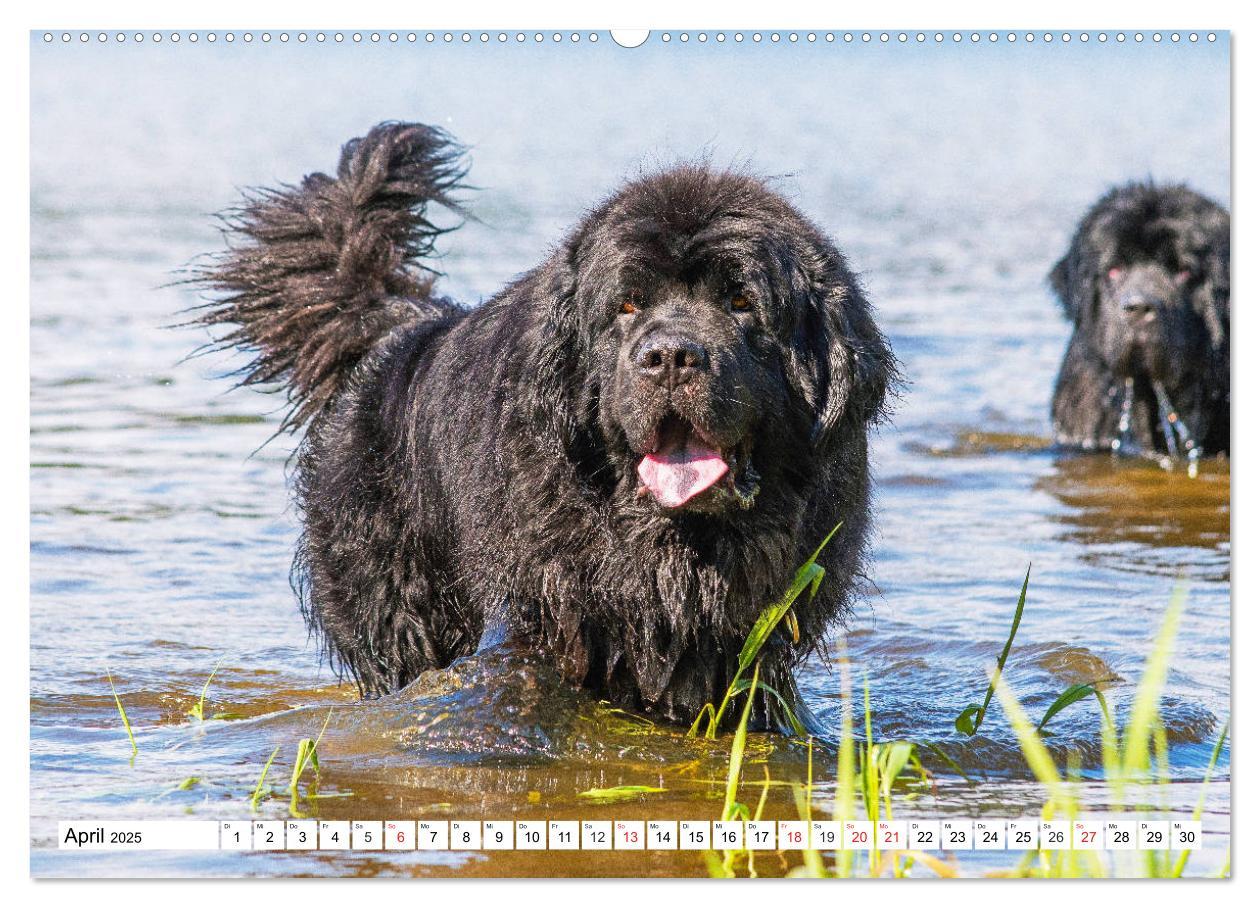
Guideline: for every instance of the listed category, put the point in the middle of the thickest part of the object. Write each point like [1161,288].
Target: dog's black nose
[671,360]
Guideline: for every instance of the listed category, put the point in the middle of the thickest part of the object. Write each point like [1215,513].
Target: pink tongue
[678,474]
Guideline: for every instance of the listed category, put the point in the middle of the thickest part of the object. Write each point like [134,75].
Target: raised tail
[316,275]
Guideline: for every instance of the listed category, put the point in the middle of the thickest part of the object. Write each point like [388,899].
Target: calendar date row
[633,835]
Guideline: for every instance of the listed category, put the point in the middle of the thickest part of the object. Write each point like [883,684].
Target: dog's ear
[552,379]
[1211,302]
[851,366]
[1059,280]
[1212,299]
[1072,281]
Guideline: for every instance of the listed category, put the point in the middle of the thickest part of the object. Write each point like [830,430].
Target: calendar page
[555,452]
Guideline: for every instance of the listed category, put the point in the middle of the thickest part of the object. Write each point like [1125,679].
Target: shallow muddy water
[951,176]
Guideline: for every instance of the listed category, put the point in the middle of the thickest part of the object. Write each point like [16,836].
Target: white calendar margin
[729,14]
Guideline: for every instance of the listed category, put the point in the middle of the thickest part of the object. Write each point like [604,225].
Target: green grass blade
[1074,694]
[308,753]
[323,728]
[842,808]
[1035,753]
[822,545]
[894,760]
[1144,714]
[257,795]
[757,815]
[970,719]
[306,747]
[870,773]
[713,864]
[809,575]
[1180,866]
[1211,768]
[797,728]
[814,866]
[737,755]
[965,722]
[618,793]
[123,713]
[198,712]
[809,781]
[708,711]
[1110,752]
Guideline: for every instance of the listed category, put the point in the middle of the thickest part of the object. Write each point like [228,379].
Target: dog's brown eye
[740,303]
[629,307]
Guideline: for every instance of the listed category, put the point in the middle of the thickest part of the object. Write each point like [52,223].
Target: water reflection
[1111,501]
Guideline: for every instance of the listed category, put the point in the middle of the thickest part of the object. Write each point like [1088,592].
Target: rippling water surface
[951,176]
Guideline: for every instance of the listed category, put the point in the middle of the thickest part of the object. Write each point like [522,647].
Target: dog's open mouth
[683,466]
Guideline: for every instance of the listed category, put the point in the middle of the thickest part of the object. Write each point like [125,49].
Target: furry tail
[316,275]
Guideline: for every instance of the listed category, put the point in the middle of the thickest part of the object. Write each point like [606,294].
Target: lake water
[951,175]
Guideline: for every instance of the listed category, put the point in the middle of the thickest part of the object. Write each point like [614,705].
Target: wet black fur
[1168,246]
[466,473]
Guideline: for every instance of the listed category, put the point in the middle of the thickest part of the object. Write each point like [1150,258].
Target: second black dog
[1146,285]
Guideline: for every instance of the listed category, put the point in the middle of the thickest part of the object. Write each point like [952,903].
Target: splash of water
[1177,437]
[1124,431]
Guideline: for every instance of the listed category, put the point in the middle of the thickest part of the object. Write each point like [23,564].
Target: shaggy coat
[1146,285]
[617,461]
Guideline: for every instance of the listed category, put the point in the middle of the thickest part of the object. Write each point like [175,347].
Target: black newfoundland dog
[1146,284]
[617,461]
